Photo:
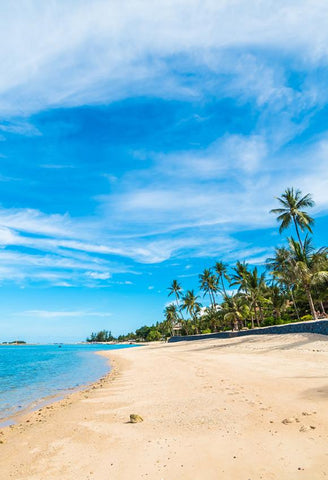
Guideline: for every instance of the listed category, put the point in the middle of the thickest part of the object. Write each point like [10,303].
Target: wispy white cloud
[58,314]
[188,202]
[77,53]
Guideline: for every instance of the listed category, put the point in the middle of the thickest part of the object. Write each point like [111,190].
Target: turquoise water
[31,373]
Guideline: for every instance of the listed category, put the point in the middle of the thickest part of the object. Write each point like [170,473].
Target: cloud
[99,275]
[76,53]
[179,199]
[58,314]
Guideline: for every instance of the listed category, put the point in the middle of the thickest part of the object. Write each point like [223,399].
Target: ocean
[32,374]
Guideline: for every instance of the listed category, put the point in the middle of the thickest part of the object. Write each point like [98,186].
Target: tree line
[292,285]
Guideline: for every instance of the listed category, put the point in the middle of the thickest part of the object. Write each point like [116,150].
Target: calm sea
[31,373]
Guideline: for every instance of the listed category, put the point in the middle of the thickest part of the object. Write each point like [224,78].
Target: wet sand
[245,408]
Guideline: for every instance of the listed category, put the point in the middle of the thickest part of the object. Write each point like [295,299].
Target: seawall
[317,326]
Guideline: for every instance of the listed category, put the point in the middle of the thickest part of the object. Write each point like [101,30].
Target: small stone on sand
[134,418]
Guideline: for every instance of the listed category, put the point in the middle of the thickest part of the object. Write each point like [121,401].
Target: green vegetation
[291,286]
[15,342]
[102,336]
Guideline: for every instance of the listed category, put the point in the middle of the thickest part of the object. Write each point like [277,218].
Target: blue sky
[143,141]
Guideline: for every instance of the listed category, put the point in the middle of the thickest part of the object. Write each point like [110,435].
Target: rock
[288,420]
[134,418]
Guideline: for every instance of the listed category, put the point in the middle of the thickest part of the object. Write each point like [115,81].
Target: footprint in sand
[306,428]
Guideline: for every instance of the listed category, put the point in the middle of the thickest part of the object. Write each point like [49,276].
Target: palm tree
[208,283]
[281,268]
[191,304]
[221,270]
[310,267]
[256,287]
[235,310]
[278,300]
[176,289]
[253,286]
[292,204]
[239,277]
[171,316]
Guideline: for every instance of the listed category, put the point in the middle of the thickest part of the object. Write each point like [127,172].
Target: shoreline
[53,398]
[42,403]
[216,406]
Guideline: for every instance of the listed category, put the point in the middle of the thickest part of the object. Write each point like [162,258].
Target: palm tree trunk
[214,302]
[210,293]
[309,296]
[295,306]
[298,233]
[256,316]
[261,312]
[177,302]
[322,308]
[223,287]
[252,320]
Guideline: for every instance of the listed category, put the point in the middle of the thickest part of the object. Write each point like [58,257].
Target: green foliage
[143,332]
[269,321]
[295,284]
[102,336]
[153,336]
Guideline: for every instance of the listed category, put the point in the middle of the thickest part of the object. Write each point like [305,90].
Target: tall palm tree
[253,286]
[256,288]
[310,267]
[176,289]
[291,211]
[239,276]
[280,266]
[221,270]
[208,283]
[190,303]
[171,316]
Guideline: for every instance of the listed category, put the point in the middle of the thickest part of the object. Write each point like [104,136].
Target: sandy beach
[245,408]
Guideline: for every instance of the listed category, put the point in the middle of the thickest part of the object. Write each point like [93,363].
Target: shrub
[153,336]
[306,318]
[206,330]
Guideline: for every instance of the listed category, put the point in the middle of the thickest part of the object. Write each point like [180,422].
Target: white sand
[212,409]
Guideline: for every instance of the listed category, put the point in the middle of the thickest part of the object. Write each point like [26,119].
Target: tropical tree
[209,284]
[291,211]
[240,276]
[281,268]
[211,318]
[310,267]
[278,300]
[255,287]
[171,317]
[190,304]
[176,289]
[235,310]
[221,270]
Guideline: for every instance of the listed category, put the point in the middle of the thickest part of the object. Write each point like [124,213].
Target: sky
[141,142]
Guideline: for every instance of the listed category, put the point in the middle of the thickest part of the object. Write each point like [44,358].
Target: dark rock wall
[319,326]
